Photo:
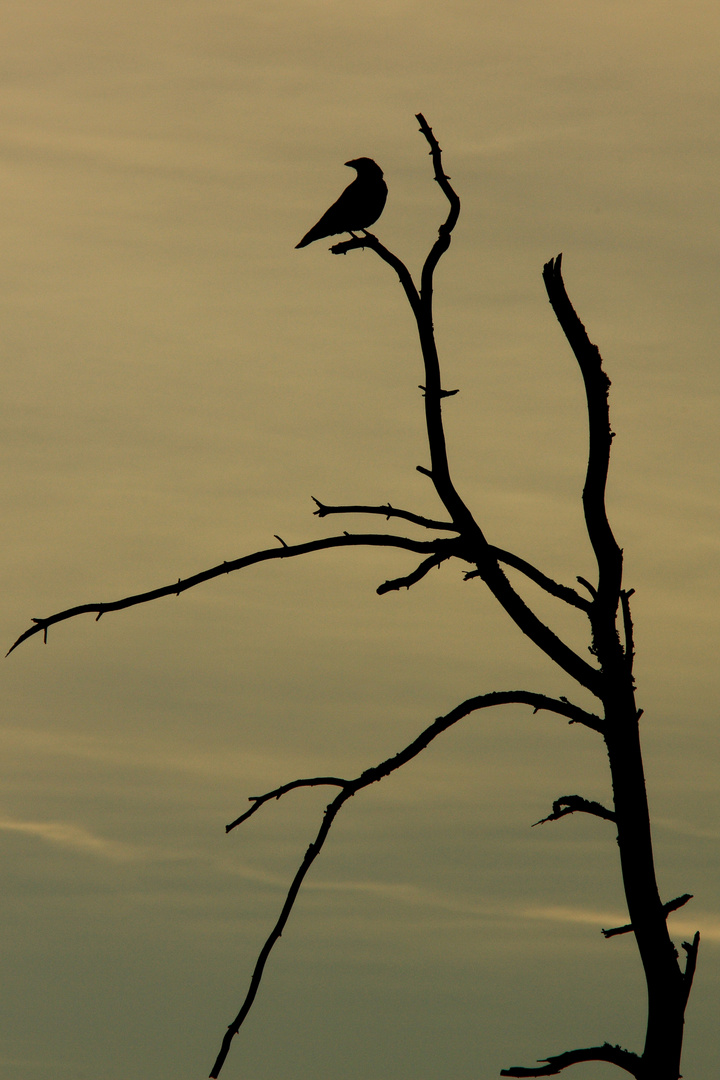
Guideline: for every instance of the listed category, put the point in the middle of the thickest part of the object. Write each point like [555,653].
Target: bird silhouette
[359,206]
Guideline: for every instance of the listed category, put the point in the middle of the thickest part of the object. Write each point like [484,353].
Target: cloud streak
[73,837]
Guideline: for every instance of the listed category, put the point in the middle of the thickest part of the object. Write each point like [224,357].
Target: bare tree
[605,602]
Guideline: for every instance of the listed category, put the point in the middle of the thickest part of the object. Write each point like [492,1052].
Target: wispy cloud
[708,923]
[74,837]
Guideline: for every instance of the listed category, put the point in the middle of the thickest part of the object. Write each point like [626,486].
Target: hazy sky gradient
[178,381]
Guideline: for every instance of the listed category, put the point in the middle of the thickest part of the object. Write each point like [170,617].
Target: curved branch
[569,804]
[395,584]
[624,1059]
[285,551]
[277,793]
[349,788]
[369,239]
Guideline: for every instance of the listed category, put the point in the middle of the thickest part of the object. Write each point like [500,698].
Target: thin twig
[277,793]
[444,232]
[387,511]
[406,582]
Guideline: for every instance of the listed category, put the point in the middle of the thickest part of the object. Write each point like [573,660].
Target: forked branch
[554,588]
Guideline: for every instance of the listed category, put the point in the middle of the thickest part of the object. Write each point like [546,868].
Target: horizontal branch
[672,905]
[570,804]
[387,511]
[624,1059]
[285,551]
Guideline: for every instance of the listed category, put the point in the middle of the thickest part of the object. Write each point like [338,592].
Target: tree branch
[672,905]
[625,595]
[277,793]
[597,385]
[562,592]
[350,787]
[569,804]
[395,584]
[444,232]
[624,1059]
[285,551]
[691,948]
[311,854]
[386,511]
[369,239]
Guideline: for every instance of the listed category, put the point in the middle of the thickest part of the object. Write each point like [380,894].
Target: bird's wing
[335,219]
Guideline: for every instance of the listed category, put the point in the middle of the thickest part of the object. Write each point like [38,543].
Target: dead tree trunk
[668,985]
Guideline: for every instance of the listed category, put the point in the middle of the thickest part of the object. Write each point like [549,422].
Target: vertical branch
[444,232]
[597,385]
[440,469]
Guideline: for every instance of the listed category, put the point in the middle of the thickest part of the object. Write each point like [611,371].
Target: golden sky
[178,381]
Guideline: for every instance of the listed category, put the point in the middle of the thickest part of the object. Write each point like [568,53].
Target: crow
[359,206]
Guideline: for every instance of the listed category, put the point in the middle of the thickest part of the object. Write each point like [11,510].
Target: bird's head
[365,165]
